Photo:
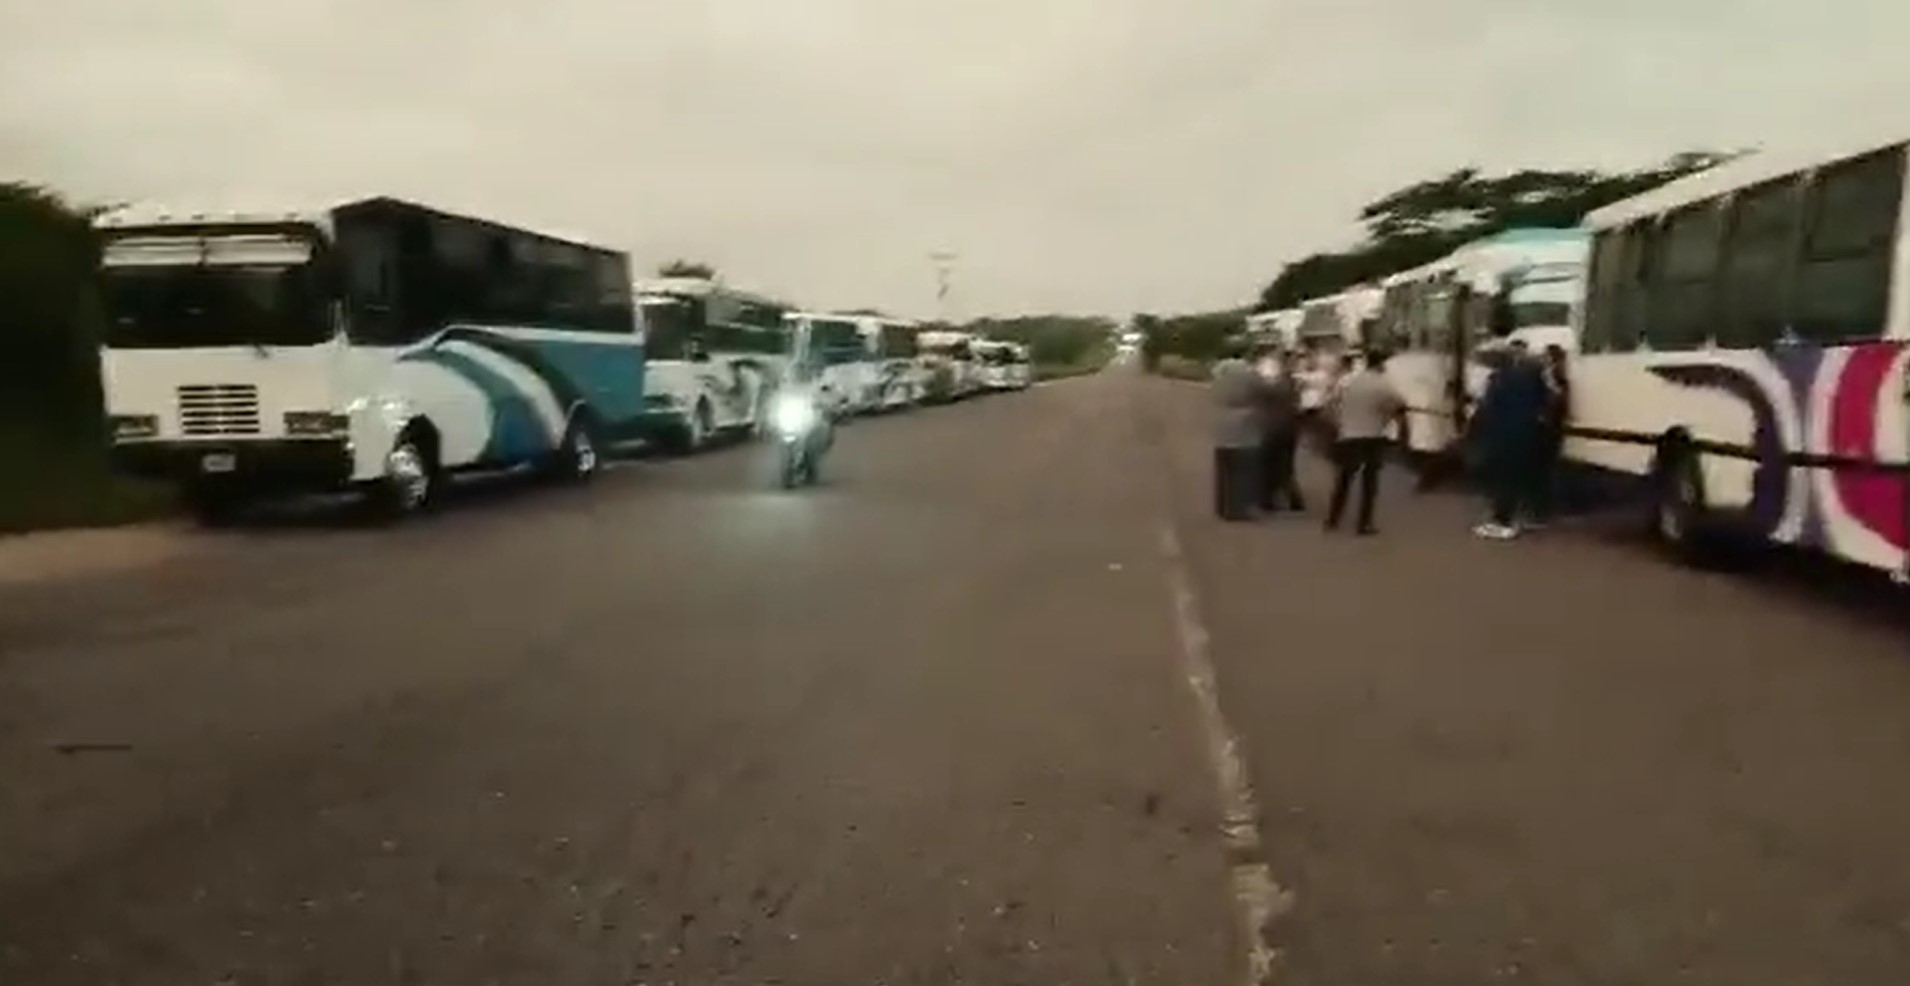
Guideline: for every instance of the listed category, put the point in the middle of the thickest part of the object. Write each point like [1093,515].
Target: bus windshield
[836,342]
[180,306]
[1541,314]
[954,350]
[669,324]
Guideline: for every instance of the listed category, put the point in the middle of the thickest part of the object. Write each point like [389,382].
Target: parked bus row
[382,346]
[1737,344]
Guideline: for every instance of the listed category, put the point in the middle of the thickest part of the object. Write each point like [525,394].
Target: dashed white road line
[1258,898]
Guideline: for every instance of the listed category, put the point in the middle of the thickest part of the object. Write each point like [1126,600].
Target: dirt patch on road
[52,556]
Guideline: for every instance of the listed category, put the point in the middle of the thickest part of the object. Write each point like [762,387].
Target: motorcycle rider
[807,381]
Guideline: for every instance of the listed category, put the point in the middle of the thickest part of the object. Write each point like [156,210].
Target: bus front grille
[219,409]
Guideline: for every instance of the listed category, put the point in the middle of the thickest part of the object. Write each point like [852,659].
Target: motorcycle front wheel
[792,470]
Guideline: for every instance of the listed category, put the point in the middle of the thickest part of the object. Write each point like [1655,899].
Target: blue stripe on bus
[517,433]
[606,375]
[609,375]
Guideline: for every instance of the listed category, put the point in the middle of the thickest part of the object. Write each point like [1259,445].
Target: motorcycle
[801,436]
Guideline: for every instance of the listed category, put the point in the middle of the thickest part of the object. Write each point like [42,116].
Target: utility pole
[944,262]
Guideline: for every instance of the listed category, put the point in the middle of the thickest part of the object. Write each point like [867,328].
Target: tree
[687,268]
[49,259]
[1428,219]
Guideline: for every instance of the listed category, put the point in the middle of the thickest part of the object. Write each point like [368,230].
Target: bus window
[1628,310]
[1843,278]
[1756,265]
[1680,292]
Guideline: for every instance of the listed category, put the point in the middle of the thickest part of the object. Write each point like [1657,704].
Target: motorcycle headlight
[793,414]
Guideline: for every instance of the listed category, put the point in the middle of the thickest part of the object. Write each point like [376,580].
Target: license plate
[219,462]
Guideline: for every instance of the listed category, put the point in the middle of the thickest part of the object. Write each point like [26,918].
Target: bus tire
[578,457]
[410,483]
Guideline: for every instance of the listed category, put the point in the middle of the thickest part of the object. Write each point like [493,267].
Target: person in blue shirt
[1508,430]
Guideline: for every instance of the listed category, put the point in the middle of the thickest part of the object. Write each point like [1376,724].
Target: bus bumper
[263,466]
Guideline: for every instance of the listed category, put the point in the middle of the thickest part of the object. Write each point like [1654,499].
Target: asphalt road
[930,724]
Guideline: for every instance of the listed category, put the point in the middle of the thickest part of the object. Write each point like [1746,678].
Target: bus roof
[155,214]
[1752,169]
[701,287]
[145,214]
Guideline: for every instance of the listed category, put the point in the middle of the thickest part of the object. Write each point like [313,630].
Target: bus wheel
[410,478]
[577,459]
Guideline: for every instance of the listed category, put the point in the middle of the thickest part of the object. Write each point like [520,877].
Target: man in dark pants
[1558,411]
[1510,431]
[1238,396]
[1362,408]
[1280,440]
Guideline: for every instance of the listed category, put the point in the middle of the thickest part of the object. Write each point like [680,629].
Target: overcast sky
[1084,155]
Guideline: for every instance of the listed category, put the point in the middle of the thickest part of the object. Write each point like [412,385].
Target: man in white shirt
[1363,407]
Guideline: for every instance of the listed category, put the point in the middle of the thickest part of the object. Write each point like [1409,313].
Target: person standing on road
[1509,430]
[1362,408]
[1558,411]
[1280,436]
[1238,399]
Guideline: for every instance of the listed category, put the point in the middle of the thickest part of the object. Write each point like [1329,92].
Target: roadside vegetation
[52,432]
[1415,225]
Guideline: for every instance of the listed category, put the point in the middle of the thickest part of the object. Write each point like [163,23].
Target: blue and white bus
[376,345]
[715,355]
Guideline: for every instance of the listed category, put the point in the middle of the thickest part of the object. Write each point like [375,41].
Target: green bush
[52,433]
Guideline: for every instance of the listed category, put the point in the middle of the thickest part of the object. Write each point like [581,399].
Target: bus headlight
[316,424]
[132,427]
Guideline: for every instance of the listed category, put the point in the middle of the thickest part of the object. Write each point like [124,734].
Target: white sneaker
[1496,532]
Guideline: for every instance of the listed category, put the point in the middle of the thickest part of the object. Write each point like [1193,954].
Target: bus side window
[1757,265]
[370,282]
[1628,314]
[1678,315]
[614,301]
[1843,278]
[1601,291]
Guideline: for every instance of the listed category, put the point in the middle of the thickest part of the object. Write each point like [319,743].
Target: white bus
[949,356]
[844,357]
[375,345]
[715,355]
[1003,365]
[899,380]
[1280,328]
[1743,348]
[1522,285]
[1328,333]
